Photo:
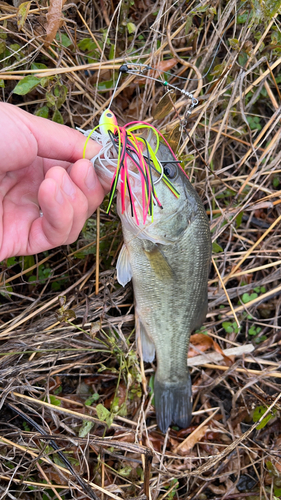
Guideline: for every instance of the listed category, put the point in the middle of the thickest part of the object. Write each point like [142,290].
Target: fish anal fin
[147,346]
[123,267]
[173,403]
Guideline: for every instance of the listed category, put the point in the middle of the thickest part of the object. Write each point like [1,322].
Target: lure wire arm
[131,71]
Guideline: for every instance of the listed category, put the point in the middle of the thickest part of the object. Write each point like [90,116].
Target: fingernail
[92,149]
[90,179]
[68,186]
[59,196]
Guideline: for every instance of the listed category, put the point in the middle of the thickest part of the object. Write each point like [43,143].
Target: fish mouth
[155,229]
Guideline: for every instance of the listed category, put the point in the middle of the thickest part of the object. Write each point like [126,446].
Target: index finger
[48,139]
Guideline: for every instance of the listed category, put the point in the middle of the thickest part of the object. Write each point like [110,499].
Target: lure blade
[174,137]
[165,105]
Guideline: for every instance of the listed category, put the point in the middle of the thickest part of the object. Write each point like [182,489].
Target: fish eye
[170,171]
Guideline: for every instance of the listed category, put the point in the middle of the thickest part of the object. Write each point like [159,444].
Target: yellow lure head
[107,122]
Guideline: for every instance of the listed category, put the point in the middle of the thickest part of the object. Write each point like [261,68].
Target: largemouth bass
[168,260]
[167,256]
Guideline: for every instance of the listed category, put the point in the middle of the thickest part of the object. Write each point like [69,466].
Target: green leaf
[246,297]
[56,286]
[125,471]
[63,39]
[254,330]
[43,112]
[51,100]
[26,426]
[242,18]
[2,47]
[6,290]
[216,247]
[272,469]
[234,43]
[28,261]
[11,261]
[111,52]
[102,412]
[254,122]
[87,44]
[3,35]
[85,428]
[54,401]
[188,24]
[57,117]
[92,399]
[259,340]
[151,385]
[38,66]
[228,327]
[25,85]
[243,58]
[22,14]
[218,70]
[239,219]
[60,91]
[114,407]
[275,182]
[15,47]
[259,412]
[58,390]
[131,27]
[123,410]
[201,9]
[106,85]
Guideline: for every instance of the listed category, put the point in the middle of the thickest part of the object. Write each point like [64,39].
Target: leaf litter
[69,371]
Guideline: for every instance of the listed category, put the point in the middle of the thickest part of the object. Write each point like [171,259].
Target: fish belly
[170,289]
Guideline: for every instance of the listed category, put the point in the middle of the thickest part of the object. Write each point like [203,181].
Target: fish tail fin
[173,403]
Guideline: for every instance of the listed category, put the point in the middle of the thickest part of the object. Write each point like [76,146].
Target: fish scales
[168,260]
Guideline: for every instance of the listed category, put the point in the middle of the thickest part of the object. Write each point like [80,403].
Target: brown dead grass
[57,352]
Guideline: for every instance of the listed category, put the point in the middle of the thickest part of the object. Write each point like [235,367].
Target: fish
[168,260]
[167,255]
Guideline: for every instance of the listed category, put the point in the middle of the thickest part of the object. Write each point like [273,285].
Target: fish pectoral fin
[158,262]
[147,346]
[123,267]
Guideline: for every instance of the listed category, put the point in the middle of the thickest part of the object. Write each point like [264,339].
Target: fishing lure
[132,156]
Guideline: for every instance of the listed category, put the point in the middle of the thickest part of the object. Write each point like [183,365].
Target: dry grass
[67,338]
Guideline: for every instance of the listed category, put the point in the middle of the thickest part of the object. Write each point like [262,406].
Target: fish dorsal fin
[123,267]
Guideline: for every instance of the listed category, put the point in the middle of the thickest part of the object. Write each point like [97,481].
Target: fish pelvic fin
[173,403]
[123,267]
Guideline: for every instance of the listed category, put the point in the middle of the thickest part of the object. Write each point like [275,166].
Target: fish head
[170,219]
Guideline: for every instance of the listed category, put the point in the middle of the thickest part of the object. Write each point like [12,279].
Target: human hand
[41,169]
